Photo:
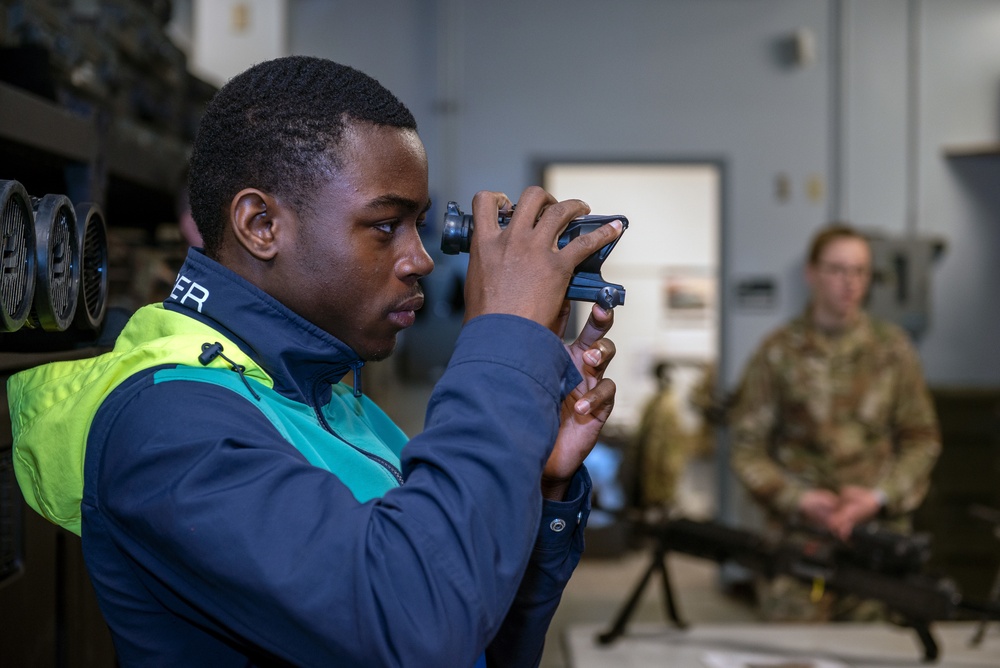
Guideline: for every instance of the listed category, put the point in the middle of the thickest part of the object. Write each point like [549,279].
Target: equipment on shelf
[57,282]
[93,242]
[17,271]
[53,270]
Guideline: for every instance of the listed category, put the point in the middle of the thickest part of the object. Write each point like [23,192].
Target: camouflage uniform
[711,411]
[816,411]
[663,448]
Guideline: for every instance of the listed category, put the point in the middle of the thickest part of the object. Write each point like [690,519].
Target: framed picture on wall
[688,293]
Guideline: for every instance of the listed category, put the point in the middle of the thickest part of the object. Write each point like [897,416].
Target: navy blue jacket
[213,537]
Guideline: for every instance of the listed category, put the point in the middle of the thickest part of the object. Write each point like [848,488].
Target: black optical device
[587,284]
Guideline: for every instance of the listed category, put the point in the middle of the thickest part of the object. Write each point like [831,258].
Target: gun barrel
[916,596]
[887,569]
[982,609]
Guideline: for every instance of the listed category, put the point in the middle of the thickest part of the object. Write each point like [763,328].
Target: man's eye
[388,226]
[421,223]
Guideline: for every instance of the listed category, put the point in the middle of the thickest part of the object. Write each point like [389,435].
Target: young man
[240,506]
[833,425]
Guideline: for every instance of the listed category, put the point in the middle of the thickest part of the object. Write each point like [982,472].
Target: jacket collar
[303,359]
[812,337]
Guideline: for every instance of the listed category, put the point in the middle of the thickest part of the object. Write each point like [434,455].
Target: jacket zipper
[384,463]
[212,350]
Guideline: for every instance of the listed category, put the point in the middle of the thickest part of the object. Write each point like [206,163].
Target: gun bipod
[657,564]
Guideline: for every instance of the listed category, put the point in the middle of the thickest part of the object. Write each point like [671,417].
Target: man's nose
[416,263]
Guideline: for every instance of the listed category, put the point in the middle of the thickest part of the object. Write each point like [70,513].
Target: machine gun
[874,564]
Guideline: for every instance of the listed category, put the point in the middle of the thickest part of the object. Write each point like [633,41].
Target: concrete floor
[600,586]
[604,581]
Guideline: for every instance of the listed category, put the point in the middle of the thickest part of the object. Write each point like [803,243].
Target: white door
[668,261]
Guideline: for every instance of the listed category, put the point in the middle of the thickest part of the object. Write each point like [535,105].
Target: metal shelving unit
[95,104]
[125,151]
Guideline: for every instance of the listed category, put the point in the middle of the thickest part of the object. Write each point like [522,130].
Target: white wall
[394,41]
[960,199]
[498,87]
[231,35]
[922,76]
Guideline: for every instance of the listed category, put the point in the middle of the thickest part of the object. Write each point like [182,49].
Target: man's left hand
[587,407]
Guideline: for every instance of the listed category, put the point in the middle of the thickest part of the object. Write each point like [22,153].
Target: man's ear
[257,220]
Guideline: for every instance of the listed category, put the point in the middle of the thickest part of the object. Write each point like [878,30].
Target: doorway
[669,261]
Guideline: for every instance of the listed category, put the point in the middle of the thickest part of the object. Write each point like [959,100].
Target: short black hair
[277,127]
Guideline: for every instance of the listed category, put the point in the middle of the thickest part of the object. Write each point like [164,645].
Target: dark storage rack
[126,150]
[96,104]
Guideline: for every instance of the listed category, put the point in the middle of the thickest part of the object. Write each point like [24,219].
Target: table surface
[840,645]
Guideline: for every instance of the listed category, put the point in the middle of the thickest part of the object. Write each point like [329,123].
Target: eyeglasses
[855,272]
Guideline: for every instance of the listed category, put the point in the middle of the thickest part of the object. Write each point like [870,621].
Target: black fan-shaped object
[58,264]
[17,256]
[93,236]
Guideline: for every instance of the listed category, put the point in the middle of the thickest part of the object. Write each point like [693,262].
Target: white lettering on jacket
[185,288]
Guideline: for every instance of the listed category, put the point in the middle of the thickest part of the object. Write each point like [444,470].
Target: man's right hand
[857,505]
[817,506]
[519,269]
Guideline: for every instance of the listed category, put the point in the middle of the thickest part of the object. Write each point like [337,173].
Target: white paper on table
[734,660]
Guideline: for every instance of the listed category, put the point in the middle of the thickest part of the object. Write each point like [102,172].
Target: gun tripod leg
[927,640]
[658,564]
[977,637]
[668,596]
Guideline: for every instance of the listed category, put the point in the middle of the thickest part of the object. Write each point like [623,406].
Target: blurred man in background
[833,425]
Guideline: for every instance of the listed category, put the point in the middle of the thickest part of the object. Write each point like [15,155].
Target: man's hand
[587,407]
[857,505]
[840,513]
[817,506]
[519,269]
